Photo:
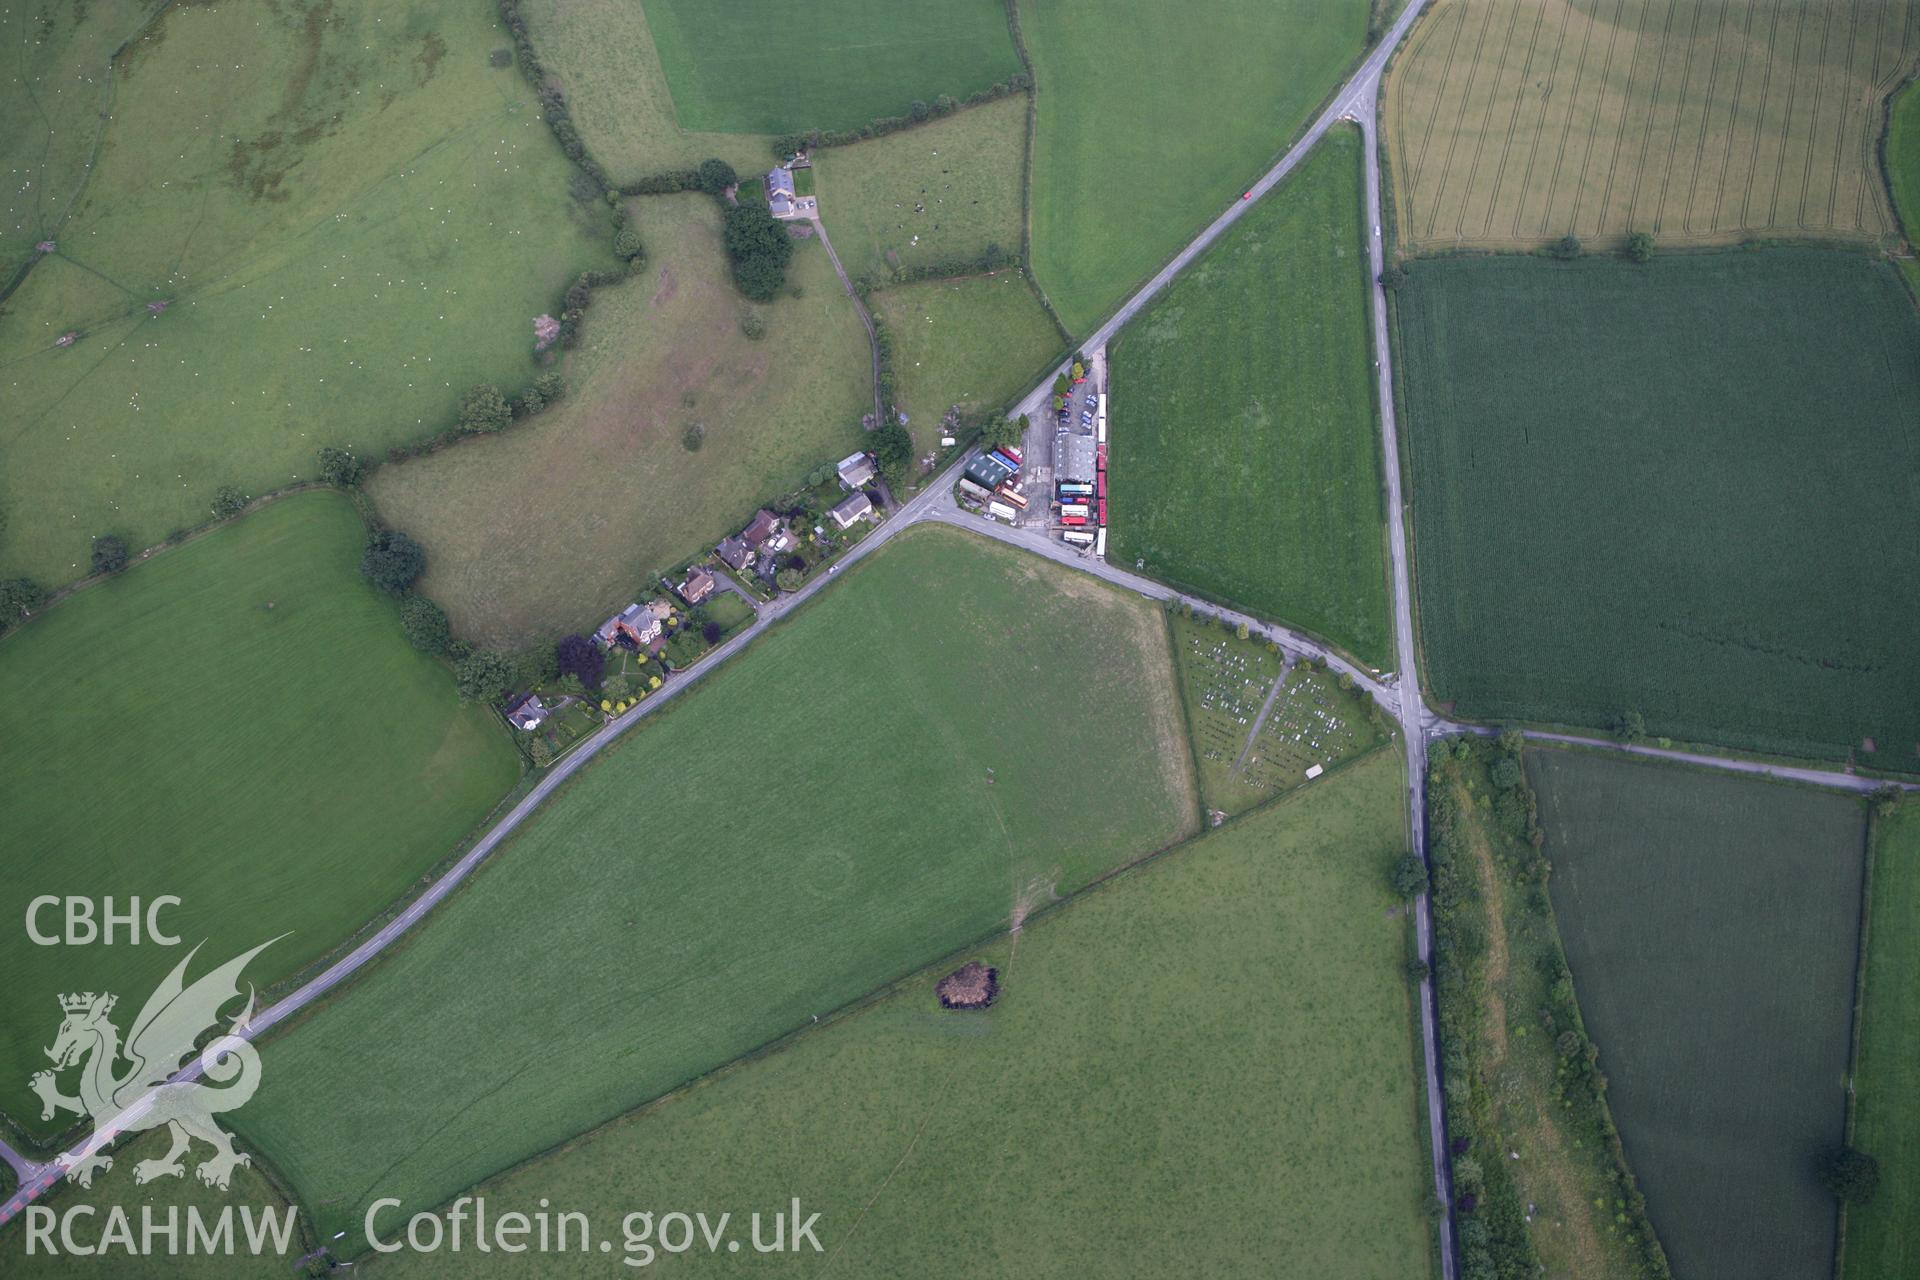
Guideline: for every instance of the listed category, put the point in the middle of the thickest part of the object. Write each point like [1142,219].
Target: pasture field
[603,54]
[768,66]
[1679,490]
[1882,1238]
[349,222]
[1120,1110]
[840,810]
[248,1193]
[1130,161]
[1511,123]
[1712,924]
[1251,741]
[1514,1041]
[548,526]
[1245,461]
[57,79]
[970,344]
[946,190]
[238,722]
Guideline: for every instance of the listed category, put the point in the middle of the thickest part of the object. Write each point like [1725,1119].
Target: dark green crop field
[1689,489]
[1712,926]
[1245,460]
[771,66]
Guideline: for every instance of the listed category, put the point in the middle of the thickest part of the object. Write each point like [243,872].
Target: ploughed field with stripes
[1512,123]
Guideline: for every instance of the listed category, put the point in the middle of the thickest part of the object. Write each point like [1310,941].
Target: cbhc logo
[82,929]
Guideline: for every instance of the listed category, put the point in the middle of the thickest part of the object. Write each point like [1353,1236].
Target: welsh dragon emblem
[143,1095]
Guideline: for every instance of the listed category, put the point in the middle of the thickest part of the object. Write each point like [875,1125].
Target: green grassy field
[1130,160]
[852,800]
[1514,1043]
[1244,452]
[1712,926]
[549,526]
[1882,1238]
[602,53]
[238,722]
[1511,123]
[1243,758]
[766,66]
[350,221]
[946,190]
[1120,1111]
[1903,171]
[967,344]
[1680,490]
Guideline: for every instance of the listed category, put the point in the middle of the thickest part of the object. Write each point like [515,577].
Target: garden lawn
[1712,924]
[1680,489]
[349,221]
[1150,123]
[1883,1238]
[858,795]
[1245,459]
[769,66]
[1137,1102]
[553,524]
[603,55]
[238,722]
[944,191]
[970,344]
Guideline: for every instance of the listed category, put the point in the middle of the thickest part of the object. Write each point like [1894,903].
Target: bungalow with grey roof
[854,508]
[780,191]
[856,470]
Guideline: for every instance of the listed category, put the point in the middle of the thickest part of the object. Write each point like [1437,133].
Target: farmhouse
[854,508]
[856,470]
[636,623]
[526,712]
[780,191]
[697,586]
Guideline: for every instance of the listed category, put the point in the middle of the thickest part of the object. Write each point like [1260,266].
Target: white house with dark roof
[856,470]
[526,712]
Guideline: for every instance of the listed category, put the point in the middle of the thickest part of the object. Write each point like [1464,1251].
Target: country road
[1400,695]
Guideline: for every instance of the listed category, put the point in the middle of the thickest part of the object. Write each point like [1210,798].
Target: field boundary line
[1862,974]
[1186,714]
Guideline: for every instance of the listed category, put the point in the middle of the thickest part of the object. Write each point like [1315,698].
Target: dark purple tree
[579,656]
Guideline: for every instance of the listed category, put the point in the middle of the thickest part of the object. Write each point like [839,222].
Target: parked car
[1092,400]
[1086,419]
